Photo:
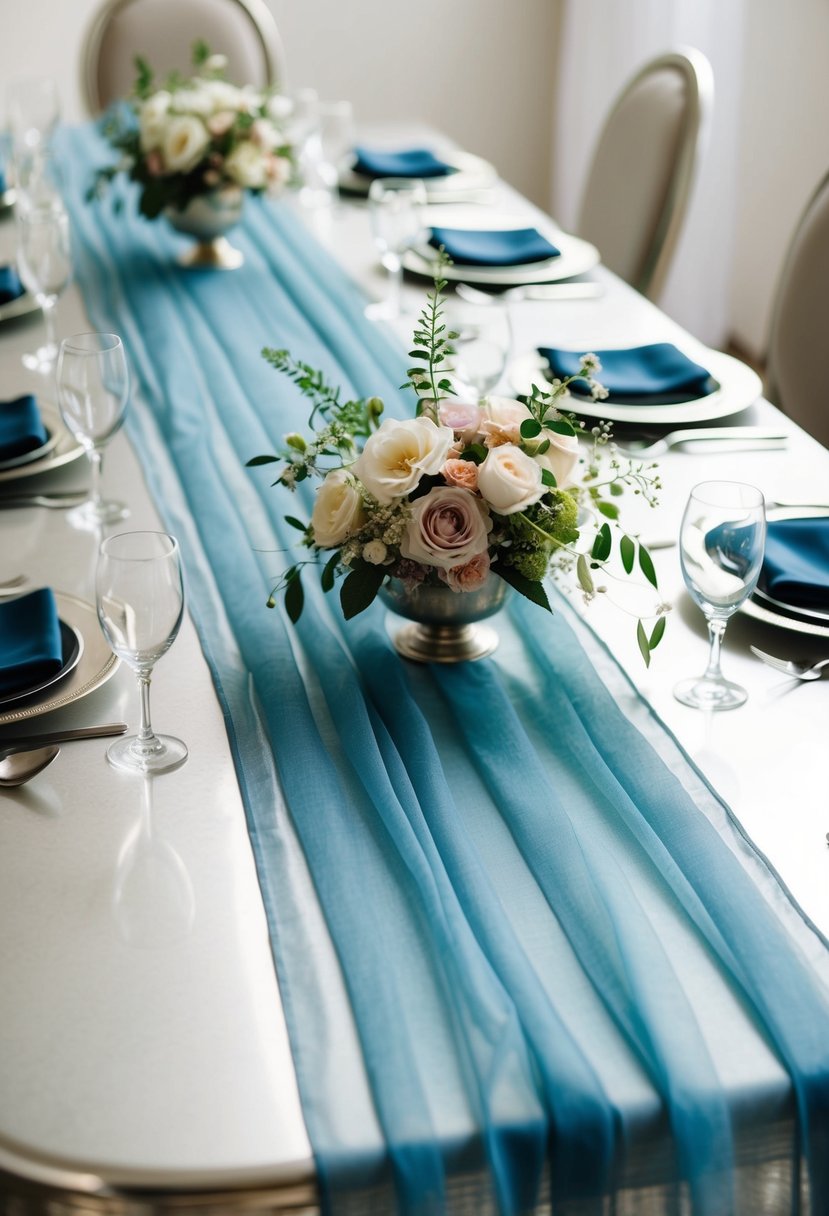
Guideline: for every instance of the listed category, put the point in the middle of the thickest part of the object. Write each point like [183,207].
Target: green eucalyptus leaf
[329,570]
[616,489]
[294,598]
[642,639]
[602,544]
[646,565]
[295,523]
[561,426]
[256,460]
[583,575]
[547,478]
[608,509]
[530,428]
[656,635]
[359,588]
[529,588]
[627,548]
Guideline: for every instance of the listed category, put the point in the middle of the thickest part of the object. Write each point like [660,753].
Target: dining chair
[163,32]
[798,354]
[644,166]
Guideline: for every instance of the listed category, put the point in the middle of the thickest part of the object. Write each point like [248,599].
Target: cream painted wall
[486,78]
[783,148]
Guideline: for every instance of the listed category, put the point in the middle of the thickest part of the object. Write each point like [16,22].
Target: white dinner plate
[473,173]
[575,257]
[739,387]
[71,650]
[64,449]
[771,612]
[18,308]
[52,437]
[96,664]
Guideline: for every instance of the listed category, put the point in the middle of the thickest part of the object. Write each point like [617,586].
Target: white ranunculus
[509,479]
[152,121]
[185,143]
[561,456]
[338,510]
[247,165]
[398,454]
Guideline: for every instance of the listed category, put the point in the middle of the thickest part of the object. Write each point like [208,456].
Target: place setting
[446,176]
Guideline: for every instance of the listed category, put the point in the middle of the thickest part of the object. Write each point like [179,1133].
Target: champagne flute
[722,540]
[483,344]
[33,110]
[396,208]
[44,262]
[140,599]
[93,386]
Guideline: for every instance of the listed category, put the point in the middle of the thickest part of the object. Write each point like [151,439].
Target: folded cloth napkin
[30,642]
[407,162]
[506,247]
[10,285]
[796,564]
[21,427]
[659,371]
[2,181]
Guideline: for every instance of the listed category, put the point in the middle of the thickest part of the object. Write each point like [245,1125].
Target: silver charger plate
[64,450]
[762,608]
[472,173]
[71,651]
[739,387]
[575,257]
[35,454]
[96,664]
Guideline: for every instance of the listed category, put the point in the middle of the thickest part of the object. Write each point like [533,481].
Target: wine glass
[44,262]
[483,342]
[396,208]
[38,178]
[93,386]
[140,598]
[33,110]
[329,136]
[722,540]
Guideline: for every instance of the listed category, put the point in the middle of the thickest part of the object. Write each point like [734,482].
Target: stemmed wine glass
[33,110]
[140,598]
[396,212]
[93,387]
[722,540]
[44,262]
[483,342]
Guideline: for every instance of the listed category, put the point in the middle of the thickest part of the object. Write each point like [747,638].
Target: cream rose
[561,456]
[247,166]
[152,121]
[502,421]
[338,510]
[185,143]
[448,527]
[509,479]
[192,101]
[398,454]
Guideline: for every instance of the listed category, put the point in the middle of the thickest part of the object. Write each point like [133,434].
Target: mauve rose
[464,417]
[448,527]
[463,473]
[468,577]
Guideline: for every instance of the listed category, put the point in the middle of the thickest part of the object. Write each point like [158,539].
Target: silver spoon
[796,668]
[20,767]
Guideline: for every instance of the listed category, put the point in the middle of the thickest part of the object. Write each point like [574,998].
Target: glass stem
[96,461]
[716,629]
[145,740]
[395,269]
[48,307]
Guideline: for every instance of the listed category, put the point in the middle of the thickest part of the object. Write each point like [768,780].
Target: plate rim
[59,455]
[698,410]
[471,169]
[576,256]
[20,306]
[68,666]
[761,612]
[35,454]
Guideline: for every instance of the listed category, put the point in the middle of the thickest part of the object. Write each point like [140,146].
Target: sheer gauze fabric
[528,960]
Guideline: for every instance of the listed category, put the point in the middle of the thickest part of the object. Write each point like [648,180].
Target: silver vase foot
[217,254]
[445,643]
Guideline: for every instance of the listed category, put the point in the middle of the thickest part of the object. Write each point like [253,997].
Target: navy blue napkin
[407,162]
[506,247]
[10,285]
[2,180]
[30,642]
[659,371]
[796,565]
[21,428]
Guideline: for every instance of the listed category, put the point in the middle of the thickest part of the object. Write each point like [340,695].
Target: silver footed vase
[445,624]
[207,217]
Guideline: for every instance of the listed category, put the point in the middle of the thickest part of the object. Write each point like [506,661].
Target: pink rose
[155,165]
[463,473]
[447,528]
[461,416]
[219,124]
[469,577]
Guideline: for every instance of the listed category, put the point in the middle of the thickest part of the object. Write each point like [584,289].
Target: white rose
[152,121]
[264,134]
[247,166]
[398,454]
[338,510]
[509,479]
[278,107]
[502,420]
[192,101]
[561,456]
[222,95]
[185,143]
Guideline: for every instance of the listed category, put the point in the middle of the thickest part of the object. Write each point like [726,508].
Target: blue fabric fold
[503,863]
[796,564]
[403,162]
[30,641]
[21,427]
[10,286]
[659,371]
[481,247]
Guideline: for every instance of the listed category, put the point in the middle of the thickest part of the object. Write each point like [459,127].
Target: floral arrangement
[195,135]
[460,491]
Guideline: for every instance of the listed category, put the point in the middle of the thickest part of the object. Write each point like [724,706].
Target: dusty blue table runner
[553,946]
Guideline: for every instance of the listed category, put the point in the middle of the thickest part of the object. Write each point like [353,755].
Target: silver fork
[797,669]
[732,438]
